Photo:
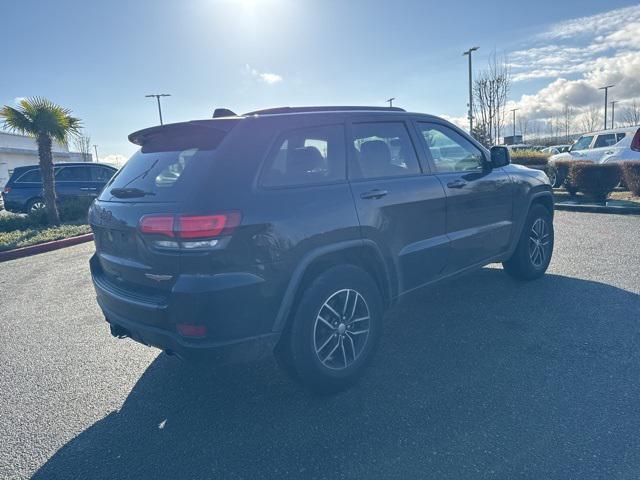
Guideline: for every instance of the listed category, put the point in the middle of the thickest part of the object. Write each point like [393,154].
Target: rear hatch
[135,218]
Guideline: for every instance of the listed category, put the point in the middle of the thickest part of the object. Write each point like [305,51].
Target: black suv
[293,229]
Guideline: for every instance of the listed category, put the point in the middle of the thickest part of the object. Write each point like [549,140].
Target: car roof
[227,122]
[613,130]
[64,164]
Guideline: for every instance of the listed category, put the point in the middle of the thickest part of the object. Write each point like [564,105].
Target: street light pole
[468,52]
[514,110]
[613,113]
[157,97]
[606,92]
[391,101]
[95,147]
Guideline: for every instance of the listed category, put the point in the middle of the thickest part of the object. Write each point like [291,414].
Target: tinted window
[306,156]
[620,136]
[30,176]
[168,163]
[73,174]
[582,143]
[101,174]
[605,140]
[450,151]
[383,150]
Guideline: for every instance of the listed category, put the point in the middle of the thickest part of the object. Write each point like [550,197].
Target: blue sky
[101,58]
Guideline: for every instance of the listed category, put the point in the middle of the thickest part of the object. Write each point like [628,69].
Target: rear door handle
[456,184]
[375,193]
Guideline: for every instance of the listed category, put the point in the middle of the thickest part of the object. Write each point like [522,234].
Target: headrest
[375,152]
[304,160]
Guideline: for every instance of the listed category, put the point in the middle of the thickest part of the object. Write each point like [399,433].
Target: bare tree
[591,119]
[82,143]
[490,91]
[567,121]
[631,114]
[524,124]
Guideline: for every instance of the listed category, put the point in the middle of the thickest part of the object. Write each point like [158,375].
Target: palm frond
[40,116]
[16,121]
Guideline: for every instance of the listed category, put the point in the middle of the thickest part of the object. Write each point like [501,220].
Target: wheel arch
[361,253]
[538,196]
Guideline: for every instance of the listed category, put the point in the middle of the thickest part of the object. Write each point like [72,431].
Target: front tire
[533,253]
[334,331]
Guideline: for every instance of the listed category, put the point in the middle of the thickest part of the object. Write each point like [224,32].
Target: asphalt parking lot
[479,377]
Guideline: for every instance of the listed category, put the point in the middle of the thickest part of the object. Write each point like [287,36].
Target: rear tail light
[157,224]
[635,143]
[190,232]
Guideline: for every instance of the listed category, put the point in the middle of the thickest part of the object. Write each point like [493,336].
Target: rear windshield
[166,167]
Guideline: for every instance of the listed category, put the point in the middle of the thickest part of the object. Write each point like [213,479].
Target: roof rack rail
[278,110]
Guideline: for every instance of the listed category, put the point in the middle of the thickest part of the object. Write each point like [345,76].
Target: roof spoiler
[223,112]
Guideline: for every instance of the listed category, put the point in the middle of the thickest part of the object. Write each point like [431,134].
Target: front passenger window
[449,150]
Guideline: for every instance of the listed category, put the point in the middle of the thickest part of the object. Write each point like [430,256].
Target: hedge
[71,211]
[529,157]
[631,176]
[596,180]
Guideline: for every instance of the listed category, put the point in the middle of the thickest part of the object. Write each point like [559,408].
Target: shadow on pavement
[479,377]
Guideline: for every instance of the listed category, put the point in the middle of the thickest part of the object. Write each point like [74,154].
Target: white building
[18,150]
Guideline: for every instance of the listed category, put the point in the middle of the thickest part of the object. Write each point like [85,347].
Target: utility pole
[390,101]
[157,97]
[468,52]
[613,113]
[606,92]
[95,147]
[514,110]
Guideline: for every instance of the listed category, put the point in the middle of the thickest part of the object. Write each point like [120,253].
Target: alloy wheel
[341,329]
[39,205]
[539,242]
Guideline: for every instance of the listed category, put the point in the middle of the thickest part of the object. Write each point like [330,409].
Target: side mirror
[500,157]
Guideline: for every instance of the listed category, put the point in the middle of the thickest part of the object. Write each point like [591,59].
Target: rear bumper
[214,353]
[235,308]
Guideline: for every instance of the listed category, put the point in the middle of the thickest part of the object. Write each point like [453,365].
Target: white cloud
[266,77]
[462,122]
[579,56]
[114,159]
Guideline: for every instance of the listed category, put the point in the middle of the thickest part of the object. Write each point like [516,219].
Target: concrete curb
[44,247]
[572,207]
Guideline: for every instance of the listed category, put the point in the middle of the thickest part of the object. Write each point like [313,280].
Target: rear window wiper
[129,192]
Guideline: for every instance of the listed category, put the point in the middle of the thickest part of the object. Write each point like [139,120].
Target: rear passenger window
[383,150]
[306,156]
[30,176]
[73,174]
[101,174]
[605,140]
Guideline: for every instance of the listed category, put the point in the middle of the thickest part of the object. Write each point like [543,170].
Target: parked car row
[23,191]
[606,146]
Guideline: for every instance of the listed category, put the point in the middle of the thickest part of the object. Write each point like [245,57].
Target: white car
[615,145]
[556,149]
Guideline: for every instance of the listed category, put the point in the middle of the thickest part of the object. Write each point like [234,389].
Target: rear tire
[532,255]
[35,205]
[334,331]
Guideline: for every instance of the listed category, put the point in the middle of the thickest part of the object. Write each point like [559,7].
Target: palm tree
[45,121]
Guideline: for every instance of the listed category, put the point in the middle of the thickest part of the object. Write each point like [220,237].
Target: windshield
[582,143]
